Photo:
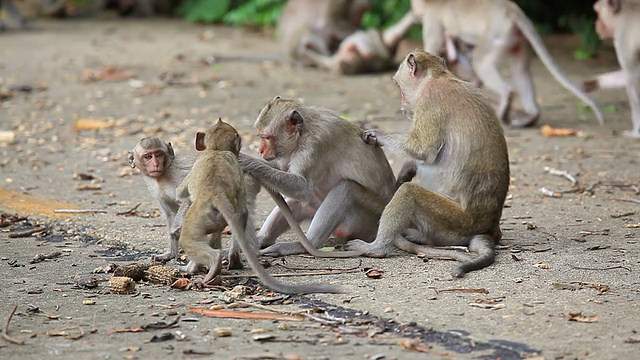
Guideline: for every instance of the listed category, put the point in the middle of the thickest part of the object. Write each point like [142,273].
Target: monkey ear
[413,66]
[200,141]
[614,5]
[277,97]
[294,122]
[170,151]
[132,160]
[237,143]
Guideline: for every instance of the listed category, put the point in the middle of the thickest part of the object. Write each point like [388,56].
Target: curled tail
[528,30]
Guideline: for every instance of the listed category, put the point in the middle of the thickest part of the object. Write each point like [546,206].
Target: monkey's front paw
[366,249]
[371,137]
[164,257]
[283,249]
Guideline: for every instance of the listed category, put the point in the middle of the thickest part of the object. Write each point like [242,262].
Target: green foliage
[234,12]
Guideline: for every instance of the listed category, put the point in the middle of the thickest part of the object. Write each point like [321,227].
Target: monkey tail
[245,238]
[526,27]
[483,246]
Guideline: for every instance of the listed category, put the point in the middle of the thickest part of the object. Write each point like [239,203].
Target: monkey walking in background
[497,29]
[215,187]
[457,146]
[620,20]
[328,175]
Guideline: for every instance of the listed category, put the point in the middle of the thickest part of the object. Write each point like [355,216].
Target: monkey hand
[371,137]
[590,85]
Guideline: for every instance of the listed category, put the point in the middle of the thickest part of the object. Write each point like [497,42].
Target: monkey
[497,29]
[458,146]
[215,186]
[317,160]
[365,50]
[618,20]
[43,7]
[163,171]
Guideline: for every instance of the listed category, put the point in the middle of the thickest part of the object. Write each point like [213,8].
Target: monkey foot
[366,249]
[524,121]
[163,258]
[282,249]
[632,134]
[234,262]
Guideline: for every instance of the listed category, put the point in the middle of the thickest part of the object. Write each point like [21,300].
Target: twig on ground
[562,173]
[629,200]
[25,233]
[602,268]
[130,211]
[317,269]
[79,211]
[5,330]
[309,273]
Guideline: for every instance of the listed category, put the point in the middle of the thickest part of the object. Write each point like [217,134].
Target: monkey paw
[163,258]
[366,249]
[282,249]
[371,137]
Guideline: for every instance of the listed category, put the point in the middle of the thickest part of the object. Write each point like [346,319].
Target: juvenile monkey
[162,172]
[318,25]
[216,189]
[318,161]
[365,51]
[497,29]
[458,146]
[618,20]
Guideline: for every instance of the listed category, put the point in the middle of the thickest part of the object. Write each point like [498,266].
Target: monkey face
[267,148]
[154,162]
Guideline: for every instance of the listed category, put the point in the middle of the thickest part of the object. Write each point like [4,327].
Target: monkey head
[606,10]
[219,137]
[152,156]
[279,126]
[418,67]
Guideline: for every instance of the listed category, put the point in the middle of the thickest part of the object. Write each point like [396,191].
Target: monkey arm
[289,184]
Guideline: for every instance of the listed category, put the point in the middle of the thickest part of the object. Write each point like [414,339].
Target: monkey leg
[276,224]
[519,60]
[485,63]
[633,92]
[349,210]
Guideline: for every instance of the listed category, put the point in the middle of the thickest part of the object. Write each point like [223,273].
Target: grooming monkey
[216,190]
[498,29]
[365,51]
[318,161]
[163,171]
[619,20]
[458,147]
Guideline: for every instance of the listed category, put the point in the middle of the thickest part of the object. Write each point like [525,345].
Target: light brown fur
[458,147]
[216,189]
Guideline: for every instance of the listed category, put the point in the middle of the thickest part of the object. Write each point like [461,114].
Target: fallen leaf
[232,314]
[549,131]
[577,316]
[374,273]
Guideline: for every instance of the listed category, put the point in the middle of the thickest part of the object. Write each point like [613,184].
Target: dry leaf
[92,124]
[577,316]
[549,131]
[181,283]
[374,273]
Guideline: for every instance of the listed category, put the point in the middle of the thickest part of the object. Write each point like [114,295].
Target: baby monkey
[216,189]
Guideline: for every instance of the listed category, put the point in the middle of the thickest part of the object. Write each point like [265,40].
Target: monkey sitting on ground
[619,20]
[163,171]
[318,161]
[458,146]
[215,187]
[365,51]
[497,29]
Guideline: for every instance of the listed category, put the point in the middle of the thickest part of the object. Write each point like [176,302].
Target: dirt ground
[565,284]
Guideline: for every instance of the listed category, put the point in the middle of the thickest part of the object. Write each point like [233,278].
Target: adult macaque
[458,146]
[43,7]
[216,190]
[318,25]
[498,29]
[318,161]
[365,51]
[619,20]
[162,172]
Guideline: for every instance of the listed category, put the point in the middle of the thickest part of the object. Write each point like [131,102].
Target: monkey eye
[148,156]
